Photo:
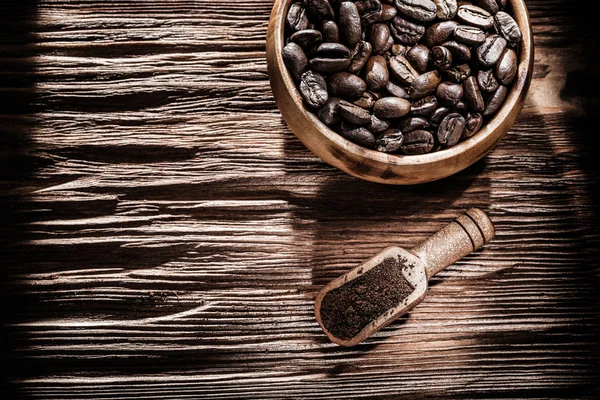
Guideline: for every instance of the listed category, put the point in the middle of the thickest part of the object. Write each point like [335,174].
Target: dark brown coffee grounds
[345,311]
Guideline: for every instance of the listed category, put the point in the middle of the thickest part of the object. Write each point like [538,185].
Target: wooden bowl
[380,167]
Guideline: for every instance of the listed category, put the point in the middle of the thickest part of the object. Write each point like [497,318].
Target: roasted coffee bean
[417,142]
[473,97]
[457,74]
[405,31]
[329,114]
[369,10]
[490,51]
[487,81]
[424,107]
[398,49]
[475,16]
[388,46]
[451,129]
[388,12]
[295,60]
[330,31]
[506,68]
[420,10]
[394,90]
[353,113]
[469,35]
[472,125]
[367,100]
[446,9]
[391,107]
[378,125]
[460,52]
[346,85]
[413,123]
[402,70]
[460,108]
[329,65]
[362,53]
[438,33]
[508,27]
[357,134]
[331,57]
[390,141]
[332,50]
[419,56]
[307,38]
[424,85]
[349,20]
[495,101]
[379,36]
[438,115]
[442,57]
[313,89]
[490,6]
[320,9]
[377,75]
[297,19]
[449,94]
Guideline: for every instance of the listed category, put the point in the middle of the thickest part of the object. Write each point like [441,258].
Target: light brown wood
[390,168]
[466,234]
[458,239]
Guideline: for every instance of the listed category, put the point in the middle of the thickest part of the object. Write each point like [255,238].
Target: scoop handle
[462,236]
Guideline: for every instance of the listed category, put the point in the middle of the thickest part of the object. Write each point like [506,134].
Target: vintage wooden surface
[164,234]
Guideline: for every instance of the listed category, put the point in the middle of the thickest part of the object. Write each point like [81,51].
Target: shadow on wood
[18,166]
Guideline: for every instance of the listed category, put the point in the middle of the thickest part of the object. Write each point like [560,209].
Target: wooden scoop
[362,301]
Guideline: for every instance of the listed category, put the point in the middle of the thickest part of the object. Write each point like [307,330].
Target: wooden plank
[166,233]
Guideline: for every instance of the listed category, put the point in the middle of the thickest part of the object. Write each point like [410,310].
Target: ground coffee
[345,311]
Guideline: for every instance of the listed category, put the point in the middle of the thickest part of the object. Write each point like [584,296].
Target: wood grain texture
[164,234]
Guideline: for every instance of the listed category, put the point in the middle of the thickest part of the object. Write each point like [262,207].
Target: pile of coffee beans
[402,76]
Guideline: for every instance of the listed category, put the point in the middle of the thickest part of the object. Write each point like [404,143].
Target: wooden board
[164,234]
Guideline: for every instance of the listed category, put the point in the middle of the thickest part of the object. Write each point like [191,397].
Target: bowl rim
[491,132]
